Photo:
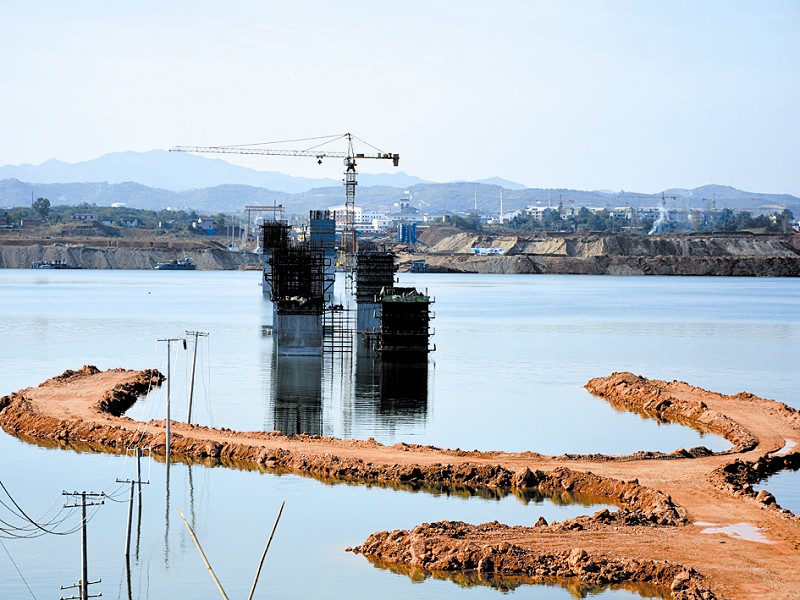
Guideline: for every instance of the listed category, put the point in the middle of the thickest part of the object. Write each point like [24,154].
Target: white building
[363,219]
[83,217]
[205,225]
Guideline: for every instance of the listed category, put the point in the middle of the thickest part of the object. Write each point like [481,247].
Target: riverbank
[660,534]
[101,253]
[743,255]
[442,249]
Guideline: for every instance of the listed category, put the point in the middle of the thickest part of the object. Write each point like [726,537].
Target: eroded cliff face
[728,255]
[95,257]
[449,250]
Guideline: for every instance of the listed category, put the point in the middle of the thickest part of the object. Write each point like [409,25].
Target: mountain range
[158,179]
[179,171]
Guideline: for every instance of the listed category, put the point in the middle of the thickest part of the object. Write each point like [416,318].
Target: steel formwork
[404,323]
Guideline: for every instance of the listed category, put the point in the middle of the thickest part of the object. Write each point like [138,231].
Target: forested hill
[432,198]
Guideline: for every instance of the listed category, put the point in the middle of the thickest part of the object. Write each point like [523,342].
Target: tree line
[693,221]
[41,208]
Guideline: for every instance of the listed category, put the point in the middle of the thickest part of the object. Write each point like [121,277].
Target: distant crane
[561,204]
[348,248]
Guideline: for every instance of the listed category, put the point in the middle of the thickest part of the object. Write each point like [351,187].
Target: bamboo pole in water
[203,556]
[264,555]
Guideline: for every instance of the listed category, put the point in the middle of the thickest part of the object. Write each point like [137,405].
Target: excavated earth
[444,249]
[669,530]
[121,253]
[450,250]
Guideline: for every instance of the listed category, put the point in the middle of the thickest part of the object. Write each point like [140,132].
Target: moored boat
[57,263]
[182,264]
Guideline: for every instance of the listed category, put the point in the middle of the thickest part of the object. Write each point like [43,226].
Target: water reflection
[785,486]
[166,515]
[389,394]
[296,394]
[509,583]
[347,395]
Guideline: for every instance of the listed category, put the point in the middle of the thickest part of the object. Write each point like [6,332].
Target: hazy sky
[635,95]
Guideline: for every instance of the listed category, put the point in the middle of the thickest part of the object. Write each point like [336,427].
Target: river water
[512,356]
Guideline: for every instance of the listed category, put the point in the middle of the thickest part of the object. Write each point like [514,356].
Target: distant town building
[363,219]
[83,217]
[405,213]
[29,222]
[129,222]
[205,225]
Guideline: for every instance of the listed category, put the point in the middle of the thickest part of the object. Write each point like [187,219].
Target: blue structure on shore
[407,233]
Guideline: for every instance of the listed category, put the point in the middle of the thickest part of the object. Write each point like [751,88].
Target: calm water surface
[513,354]
[785,486]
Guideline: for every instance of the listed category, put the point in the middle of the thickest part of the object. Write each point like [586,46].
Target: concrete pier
[298,328]
[296,281]
[374,271]
[322,236]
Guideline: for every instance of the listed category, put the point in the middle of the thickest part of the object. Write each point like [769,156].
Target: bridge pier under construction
[299,277]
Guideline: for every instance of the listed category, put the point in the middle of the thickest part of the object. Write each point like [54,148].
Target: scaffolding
[322,235]
[337,330]
[374,271]
[277,216]
[295,281]
[405,323]
[297,273]
[274,234]
[299,277]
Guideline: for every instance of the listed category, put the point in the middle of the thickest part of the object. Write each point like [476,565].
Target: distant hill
[156,180]
[432,198]
[503,183]
[179,171]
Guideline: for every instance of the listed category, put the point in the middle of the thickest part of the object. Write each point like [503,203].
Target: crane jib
[395,158]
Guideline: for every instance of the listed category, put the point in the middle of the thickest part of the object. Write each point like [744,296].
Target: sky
[617,95]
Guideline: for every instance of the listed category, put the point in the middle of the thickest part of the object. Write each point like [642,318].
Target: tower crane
[348,247]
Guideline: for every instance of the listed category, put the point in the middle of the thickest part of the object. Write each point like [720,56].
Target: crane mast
[347,249]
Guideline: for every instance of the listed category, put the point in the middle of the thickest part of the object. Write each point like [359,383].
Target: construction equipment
[348,247]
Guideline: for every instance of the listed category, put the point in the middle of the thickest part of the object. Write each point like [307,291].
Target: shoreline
[661,497]
[448,250]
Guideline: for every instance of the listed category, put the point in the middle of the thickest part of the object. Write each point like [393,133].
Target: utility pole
[138,481]
[83,583]
[169,432]
[196,335]
[139,504]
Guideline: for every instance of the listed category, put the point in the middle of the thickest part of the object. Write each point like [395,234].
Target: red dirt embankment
[656,536]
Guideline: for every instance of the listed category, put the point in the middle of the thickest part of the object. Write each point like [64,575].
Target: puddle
[739,531]
[787,447]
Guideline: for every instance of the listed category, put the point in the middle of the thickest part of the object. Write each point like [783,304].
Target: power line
[23,515]
[17,568]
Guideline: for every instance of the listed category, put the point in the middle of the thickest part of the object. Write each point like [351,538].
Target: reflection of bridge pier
[296,395]
[404,388]
[391,394]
